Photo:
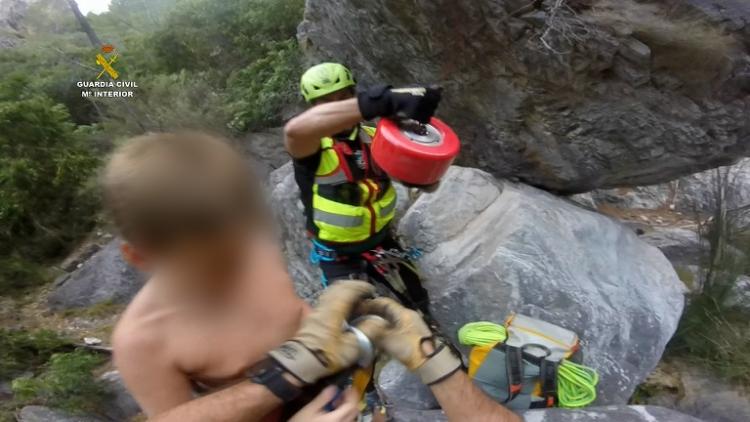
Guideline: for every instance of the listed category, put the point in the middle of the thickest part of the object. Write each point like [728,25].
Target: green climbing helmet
[323,79]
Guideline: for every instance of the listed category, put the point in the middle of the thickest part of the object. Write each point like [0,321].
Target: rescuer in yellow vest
[349,202]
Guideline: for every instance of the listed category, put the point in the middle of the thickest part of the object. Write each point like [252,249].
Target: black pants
[356,266]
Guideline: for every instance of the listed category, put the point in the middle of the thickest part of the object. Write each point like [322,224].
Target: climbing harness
[385,261]
[528,363]
[321,253]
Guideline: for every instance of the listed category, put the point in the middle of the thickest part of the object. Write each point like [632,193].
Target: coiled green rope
[576,384]
[481,333]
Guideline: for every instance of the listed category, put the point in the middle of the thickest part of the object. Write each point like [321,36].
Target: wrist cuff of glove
[442,364]
[375,102]
[299,361]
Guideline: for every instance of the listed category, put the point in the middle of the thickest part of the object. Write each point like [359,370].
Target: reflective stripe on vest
[388,209]
[344,223]
[338,219]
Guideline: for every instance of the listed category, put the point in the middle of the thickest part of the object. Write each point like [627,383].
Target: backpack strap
[549,381]
[514,370]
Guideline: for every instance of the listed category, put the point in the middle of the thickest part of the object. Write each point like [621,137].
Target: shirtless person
[219,298]
[219,309]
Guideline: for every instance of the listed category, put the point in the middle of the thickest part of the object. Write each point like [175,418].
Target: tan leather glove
[404,339]
[322,347]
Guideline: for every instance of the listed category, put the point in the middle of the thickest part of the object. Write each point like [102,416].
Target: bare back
[163,346]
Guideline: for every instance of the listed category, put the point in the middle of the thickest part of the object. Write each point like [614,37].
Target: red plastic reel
[414,158]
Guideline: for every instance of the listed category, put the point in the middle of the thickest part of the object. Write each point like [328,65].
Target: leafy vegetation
[227,66]
[99,310]
[46,371]
[239,57]
[45,165]
[67,382]
[713,333]
[22,351]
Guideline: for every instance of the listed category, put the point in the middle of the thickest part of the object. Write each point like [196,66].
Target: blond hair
[161,187]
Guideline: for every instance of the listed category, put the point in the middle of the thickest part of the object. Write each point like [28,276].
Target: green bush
[171,102]
[260,91]
[57,61]
[712,333]
[67,383]
[212,65]
[716,337]
[200,64]
[46,203]
[204,35]
[22,351]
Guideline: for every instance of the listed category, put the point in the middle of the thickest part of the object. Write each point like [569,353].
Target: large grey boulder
[681,245]
[266,146]
[702,394]
[739,294]
[640,197]
[494,247]
[694,193]
[288,208]
[45,414]
[400,388]
[120,405]
[593,414]
[105,277]
[698,191]
[599,107]
[609,413]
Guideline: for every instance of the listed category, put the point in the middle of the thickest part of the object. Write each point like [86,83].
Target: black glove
[414,102]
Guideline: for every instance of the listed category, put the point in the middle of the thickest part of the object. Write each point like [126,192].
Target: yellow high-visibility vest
[345,223]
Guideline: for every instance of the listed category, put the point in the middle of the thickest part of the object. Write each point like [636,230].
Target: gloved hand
[416,102]
[408,339]
[321,347]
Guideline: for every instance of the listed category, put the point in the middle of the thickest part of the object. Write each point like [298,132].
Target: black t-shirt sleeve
[307,164]
[304,174]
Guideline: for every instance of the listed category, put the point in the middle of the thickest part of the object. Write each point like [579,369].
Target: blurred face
[206,262]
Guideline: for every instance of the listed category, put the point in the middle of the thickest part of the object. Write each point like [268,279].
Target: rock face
[696,192]
[703,395]
[45,414]
[12,13]
[609,413]
[402,389]
[492,248]
[594,414]
[682,246]
[105,277]
[289,212]
[265,150]
[120,406]
[739,295]
[602,100]
[495,247]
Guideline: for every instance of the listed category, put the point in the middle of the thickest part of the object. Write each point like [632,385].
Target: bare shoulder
[274,279]
[140,331]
